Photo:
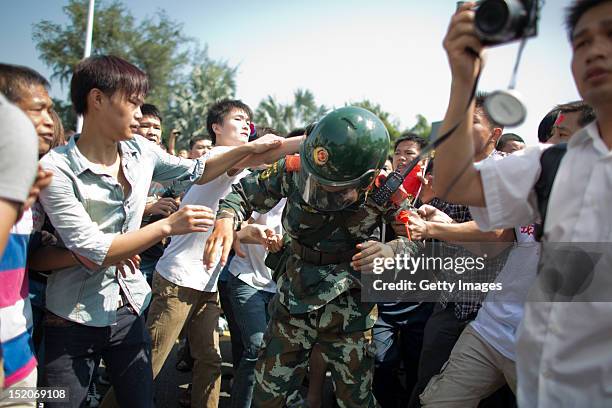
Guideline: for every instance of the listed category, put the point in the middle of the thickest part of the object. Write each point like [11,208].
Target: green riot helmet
[341,156]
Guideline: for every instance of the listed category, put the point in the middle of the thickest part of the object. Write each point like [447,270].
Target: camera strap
[519,56]
[549,162]
[395,179]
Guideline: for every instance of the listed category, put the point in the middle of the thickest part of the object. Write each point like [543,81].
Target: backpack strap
[549,162]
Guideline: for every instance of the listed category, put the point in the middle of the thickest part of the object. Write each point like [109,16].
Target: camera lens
[492,16]
[498,21]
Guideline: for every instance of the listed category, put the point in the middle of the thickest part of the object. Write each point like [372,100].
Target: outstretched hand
[265,143]
[432,214]
[463,47]
[219,243]
[190,218]
[164,206]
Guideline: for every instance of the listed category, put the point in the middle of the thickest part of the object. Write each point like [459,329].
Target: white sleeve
[508,190]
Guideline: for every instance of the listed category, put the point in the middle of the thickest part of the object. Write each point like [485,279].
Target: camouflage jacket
[306,287]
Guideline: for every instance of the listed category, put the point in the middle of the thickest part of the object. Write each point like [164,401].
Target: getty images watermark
[412,264]
[425,276]
[562,272]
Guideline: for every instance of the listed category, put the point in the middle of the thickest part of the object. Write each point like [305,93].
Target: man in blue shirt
[95,202]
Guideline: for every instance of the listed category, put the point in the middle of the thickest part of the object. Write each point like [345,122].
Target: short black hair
[546,125]
[109,74]
[59,136]
[296,132]
[217,112]
[508,137]
[410,137]
[15,78]
[587,114]
[480,99]
[575,11]
[149,109]
[196,139]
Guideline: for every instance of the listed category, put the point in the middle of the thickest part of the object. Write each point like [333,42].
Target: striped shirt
[15,309]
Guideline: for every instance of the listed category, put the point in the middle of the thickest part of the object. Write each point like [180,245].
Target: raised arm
[287,147]
[219,164]
[464,51]
[257,192]
[83,236]
[465,234]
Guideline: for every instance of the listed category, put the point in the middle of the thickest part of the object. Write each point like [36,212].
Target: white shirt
[252,269]
[564,350]
[183,261]
[501,312]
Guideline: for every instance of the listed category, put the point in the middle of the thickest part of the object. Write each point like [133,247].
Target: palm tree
[209,82]
[285,118]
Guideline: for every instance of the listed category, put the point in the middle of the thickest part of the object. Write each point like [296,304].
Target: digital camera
[502,21]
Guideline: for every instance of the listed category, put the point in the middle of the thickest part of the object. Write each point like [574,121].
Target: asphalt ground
[171,384]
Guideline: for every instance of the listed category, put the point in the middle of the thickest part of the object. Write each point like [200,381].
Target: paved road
[171,384]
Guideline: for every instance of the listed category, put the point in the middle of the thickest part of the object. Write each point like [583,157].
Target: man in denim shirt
[96,202]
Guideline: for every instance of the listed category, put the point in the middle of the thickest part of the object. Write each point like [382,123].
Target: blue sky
[388,51]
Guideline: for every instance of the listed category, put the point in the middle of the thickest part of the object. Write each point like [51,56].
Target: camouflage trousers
[286,348]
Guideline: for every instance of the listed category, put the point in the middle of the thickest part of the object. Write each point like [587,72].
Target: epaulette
[292,163]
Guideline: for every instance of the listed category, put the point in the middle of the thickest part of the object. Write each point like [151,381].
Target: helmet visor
[325,197]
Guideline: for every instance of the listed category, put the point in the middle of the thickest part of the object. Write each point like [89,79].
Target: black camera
[502,21]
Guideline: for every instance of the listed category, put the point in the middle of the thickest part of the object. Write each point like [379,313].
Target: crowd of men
[114,246]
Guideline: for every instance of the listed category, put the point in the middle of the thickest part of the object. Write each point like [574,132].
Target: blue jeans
[234,329]
[37,300]
[72,350]
[251,312]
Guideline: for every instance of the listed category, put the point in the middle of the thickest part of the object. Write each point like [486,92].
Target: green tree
[156,44]
[208,82]
[422,127]
[66,113]
[284,118]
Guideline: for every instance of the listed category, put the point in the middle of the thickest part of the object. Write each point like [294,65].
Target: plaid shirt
[459,213]
[466,303]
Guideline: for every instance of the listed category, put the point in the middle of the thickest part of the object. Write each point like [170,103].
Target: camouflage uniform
[314,303]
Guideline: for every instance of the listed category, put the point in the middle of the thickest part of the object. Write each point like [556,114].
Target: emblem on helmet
[320,155]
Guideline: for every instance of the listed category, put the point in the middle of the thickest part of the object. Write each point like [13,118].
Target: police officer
[333,228]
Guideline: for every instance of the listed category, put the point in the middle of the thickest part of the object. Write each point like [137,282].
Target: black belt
[315,257]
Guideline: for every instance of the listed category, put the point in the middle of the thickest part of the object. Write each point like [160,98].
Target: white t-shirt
[501,312]
[252,269]
[182,262]
[563,348]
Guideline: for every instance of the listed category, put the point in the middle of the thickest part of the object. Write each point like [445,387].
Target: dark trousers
[250,307]
[72,349]
[234,328]
[398,339]
[441,333]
